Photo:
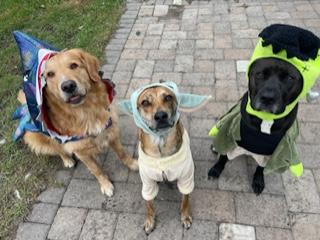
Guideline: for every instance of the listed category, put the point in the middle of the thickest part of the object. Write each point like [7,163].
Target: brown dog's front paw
[133,165]
[186,221]
[149,225]
[107,188]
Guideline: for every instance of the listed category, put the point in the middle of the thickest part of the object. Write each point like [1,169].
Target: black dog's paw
[217,169]
[213,150]
[258,183]
[215,172]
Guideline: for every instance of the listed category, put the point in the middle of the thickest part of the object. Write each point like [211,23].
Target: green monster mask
[298,47]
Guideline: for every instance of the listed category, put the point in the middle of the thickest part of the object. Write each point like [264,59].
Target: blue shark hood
[34,54]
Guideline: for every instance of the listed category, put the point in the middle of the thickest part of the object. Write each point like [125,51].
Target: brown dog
[77,104]
[158,106]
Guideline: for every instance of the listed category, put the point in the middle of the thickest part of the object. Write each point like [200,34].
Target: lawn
[65,24]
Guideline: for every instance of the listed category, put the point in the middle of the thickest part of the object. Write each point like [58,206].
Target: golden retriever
[77,104]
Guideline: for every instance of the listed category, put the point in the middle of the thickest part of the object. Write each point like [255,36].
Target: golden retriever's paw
[68,162]
[133,165]
[186,221]
[107,188]
[149,225]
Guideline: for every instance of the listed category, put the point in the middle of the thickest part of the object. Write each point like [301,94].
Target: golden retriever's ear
[92,65]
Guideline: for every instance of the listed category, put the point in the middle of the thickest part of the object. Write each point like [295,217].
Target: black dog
[273,84]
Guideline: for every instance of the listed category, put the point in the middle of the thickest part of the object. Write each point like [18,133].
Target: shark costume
[276,151]
[178,166]
[33,116]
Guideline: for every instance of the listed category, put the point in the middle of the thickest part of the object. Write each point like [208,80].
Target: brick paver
[204,46]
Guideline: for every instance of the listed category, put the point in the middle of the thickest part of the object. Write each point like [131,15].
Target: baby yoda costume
[300,48]
[180,165]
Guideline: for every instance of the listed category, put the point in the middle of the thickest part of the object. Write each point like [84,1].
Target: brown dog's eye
[145,103]
[168,98]
[73,66]
[50,74]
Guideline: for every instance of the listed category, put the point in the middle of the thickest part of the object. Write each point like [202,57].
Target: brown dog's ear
[92,65]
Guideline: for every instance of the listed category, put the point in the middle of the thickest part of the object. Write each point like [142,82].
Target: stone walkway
[203,46]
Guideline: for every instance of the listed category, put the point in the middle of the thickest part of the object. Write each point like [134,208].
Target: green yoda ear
[192,102]
[125,106]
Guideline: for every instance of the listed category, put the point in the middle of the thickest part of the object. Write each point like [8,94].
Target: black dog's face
[273,84]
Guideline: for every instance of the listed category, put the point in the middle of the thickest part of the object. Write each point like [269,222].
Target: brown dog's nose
[69,86]
[161,116]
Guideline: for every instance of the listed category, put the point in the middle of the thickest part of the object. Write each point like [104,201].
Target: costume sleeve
[150,187]
[225,118]
[286,155]
[297,169]
[185,182]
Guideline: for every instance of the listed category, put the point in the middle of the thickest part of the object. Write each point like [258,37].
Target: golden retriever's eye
[50,74]
[145,103]
[168,98]
[73,66]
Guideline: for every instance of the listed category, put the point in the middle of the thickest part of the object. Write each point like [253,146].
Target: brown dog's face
[158,107]
[70,74]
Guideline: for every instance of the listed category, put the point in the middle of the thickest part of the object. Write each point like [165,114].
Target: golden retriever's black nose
[69,86]
[161,116]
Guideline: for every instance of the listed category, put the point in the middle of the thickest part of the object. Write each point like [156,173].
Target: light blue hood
[186,103]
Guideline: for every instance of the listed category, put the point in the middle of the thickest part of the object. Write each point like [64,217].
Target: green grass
[65,24]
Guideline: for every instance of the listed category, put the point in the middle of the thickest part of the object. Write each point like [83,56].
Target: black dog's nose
[69,86]
[161,116]
[268,97]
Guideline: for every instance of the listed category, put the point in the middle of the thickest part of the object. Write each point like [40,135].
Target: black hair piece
[297,42]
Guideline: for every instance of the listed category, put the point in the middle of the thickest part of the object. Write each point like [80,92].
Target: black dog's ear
[162,81]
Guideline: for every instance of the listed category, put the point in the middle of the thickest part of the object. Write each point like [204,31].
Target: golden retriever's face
[158,107]
[70,74]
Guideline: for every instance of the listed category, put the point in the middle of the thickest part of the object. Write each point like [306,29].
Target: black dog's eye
[168,98]
[73,66]
[145,103]
[287,78]
[50,74]
[259,75]
[290,78]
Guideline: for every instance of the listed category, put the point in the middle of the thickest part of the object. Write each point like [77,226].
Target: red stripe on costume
[46,119]
[45,58]
[110,89]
